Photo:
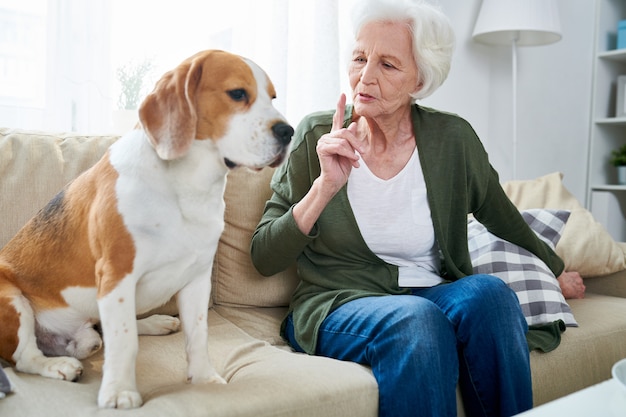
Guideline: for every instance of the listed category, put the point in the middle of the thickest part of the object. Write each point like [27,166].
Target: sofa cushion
[262,323]
[236,282]
[586,353]
[543,192]
[262,381]
[586,246]
[534,284]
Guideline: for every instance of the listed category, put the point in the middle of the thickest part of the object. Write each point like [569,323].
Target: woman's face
[383,71]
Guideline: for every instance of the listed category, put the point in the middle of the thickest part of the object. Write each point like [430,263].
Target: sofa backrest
[235,280]
[34,166]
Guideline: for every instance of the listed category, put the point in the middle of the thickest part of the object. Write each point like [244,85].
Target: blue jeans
[419,346]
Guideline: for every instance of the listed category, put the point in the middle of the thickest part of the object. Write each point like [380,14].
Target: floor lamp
[517,23]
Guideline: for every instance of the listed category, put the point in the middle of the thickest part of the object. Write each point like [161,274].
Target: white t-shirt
[394,219]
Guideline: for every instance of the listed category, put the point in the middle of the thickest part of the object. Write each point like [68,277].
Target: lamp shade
[531,22]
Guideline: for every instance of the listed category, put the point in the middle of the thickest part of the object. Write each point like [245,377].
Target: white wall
[553,95]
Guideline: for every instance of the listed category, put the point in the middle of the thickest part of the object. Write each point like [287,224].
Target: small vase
[621,174]
[123,121]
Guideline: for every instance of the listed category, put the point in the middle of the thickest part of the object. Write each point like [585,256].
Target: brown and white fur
[137,228]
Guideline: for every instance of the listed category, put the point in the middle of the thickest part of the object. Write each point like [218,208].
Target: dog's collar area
[230,164]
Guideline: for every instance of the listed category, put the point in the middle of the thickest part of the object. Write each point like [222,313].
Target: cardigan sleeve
[500,216]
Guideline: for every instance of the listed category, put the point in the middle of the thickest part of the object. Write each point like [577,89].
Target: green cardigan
[335,264]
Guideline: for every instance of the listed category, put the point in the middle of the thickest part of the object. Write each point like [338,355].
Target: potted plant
[132,78]
[618,159]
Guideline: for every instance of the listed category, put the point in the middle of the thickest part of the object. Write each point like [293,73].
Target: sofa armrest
[612,284]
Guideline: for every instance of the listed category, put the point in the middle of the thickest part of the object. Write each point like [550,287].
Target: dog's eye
[238,94]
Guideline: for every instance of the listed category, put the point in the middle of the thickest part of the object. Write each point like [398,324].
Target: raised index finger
[339,113]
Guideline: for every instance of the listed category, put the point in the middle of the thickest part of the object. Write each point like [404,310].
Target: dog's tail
[9,317]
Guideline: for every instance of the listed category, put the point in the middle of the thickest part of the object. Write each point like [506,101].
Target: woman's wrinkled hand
[572,285]
[337,151]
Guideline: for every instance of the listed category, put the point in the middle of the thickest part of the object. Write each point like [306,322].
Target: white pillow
[536,287]
[585,247]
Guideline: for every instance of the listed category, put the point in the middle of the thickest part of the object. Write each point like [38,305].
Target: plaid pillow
[535,285]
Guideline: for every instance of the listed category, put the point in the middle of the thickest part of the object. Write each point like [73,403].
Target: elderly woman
[373,204]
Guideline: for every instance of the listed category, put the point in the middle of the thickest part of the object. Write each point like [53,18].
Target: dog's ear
[168,114]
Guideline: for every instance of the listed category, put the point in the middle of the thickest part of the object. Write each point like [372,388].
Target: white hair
[433,37]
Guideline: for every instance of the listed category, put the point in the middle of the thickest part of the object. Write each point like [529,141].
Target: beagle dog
[139,227]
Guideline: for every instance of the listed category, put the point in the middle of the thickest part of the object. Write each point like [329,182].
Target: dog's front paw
[122,399]
[158,324]
[62,367]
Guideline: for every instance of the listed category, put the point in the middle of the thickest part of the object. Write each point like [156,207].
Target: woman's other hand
[572,285]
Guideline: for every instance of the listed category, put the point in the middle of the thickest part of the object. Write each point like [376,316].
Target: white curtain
[314,59]
[78,66]
[298,43]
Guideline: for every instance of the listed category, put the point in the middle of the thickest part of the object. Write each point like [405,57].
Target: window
[22,52]
[63,62]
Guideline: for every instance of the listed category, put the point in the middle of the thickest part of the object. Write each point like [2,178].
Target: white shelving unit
[605,198]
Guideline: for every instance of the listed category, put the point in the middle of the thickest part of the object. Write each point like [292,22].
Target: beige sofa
[265,378]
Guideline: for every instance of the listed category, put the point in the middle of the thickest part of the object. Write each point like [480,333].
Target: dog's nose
[283,132]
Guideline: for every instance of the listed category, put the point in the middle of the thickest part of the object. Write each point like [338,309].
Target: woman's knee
[415,324]
[489,291]
[408,313]
[488,298]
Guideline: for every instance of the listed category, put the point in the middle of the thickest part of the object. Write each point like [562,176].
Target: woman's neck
[388,143]
[387,132]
